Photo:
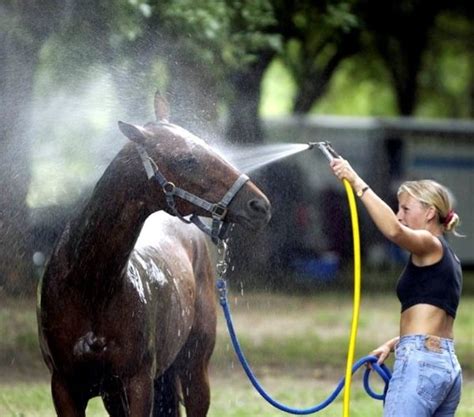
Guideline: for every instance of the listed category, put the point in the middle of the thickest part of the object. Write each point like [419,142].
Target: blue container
[323,268]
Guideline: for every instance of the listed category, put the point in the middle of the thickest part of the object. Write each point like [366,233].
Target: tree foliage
[323,34]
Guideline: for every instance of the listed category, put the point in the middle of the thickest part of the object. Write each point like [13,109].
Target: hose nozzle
[326,148]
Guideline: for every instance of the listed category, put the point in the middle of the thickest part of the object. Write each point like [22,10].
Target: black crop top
[438,284]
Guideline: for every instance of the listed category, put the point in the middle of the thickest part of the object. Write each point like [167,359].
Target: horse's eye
[185,163]
[189,162]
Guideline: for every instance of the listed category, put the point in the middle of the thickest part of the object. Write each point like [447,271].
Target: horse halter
[218,211]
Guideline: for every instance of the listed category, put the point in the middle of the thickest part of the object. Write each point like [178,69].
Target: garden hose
[329,152]
[356,305]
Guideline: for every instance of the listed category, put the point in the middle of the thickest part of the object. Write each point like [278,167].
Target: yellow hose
[356,306]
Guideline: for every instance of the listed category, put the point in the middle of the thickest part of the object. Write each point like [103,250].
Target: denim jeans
[426,379]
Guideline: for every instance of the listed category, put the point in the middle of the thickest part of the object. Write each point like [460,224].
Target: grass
[295,343]
[232,396]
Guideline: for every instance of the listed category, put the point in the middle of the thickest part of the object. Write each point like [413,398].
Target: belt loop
[450,344]
[420,341]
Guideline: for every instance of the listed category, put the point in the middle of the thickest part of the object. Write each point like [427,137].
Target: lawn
[295,343]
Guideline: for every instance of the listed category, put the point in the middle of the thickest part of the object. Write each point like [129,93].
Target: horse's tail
[167,394]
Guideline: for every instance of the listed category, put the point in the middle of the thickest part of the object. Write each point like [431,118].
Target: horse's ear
[162,108]
[132,132]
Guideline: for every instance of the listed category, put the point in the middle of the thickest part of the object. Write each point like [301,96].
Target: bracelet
[360,193]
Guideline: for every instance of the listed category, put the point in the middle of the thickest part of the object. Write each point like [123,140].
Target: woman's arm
[417,242]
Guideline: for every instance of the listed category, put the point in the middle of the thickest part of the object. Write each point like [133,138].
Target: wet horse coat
[126,307]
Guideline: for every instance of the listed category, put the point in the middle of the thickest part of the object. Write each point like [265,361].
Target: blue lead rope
[381,370]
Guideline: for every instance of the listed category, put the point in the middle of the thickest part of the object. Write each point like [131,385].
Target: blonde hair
[433,194]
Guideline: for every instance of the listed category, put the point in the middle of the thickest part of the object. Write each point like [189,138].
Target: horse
[126,309]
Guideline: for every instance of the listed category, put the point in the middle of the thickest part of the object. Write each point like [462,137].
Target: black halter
[218,210]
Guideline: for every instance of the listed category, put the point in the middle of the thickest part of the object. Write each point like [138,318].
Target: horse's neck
[105,233]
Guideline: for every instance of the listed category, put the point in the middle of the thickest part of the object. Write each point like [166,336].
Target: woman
[427,377]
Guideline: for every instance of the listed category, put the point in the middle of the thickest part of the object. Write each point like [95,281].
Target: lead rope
[382,370]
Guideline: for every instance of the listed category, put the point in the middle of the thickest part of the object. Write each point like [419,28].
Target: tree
[313,37]
[400,31]
[323,35]
[446,83]
[219,49]
[407,35]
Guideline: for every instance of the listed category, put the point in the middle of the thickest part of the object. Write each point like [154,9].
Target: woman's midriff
[426,319]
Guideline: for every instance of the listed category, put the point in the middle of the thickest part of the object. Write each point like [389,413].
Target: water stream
[251,158]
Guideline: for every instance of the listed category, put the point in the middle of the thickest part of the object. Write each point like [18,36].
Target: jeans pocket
[434,381]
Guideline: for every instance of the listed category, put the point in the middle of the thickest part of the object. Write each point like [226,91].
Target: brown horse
[126,308]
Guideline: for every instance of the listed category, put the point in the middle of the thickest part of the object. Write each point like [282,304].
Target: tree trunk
[244,125]
[315,82]
[402,33]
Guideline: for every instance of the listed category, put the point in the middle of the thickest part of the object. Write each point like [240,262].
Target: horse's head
[185,167]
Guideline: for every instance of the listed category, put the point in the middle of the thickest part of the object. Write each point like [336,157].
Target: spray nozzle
[326,148]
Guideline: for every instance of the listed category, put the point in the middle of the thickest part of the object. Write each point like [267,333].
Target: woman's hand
[383,351]
[343,170]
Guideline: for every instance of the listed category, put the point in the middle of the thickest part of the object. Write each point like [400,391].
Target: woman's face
[411,212]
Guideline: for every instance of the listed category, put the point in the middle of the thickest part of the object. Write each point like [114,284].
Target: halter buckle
[218,211]
[169,188]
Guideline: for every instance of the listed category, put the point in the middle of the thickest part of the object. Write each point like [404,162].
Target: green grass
[231,397]
[295,343]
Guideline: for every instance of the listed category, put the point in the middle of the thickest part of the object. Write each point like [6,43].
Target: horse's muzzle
[258,213]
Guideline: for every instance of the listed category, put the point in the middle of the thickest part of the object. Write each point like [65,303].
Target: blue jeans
[426,379]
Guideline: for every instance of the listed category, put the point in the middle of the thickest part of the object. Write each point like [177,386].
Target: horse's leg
[67,402]
[115,404]
[193,363]
[115,399]
[139,394]
[193,359]
[166,401]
